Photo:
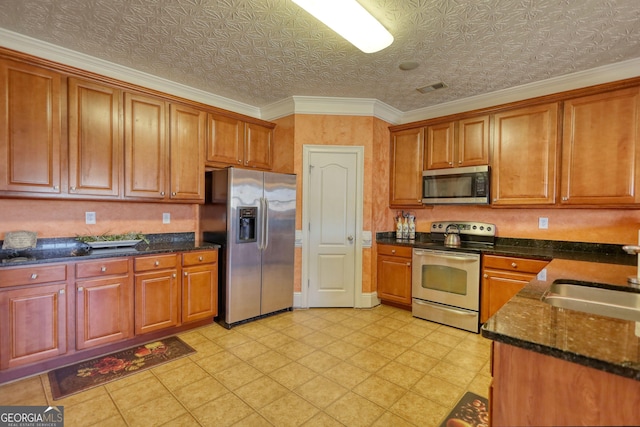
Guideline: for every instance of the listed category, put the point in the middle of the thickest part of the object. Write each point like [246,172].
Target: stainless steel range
[446,279]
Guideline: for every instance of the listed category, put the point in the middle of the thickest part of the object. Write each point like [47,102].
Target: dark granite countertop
[69,249]
[525,321]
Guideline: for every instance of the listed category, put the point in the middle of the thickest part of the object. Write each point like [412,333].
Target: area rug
[471,411]
[95,372]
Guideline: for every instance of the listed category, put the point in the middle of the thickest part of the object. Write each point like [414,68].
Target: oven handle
[460,312]
[446,255]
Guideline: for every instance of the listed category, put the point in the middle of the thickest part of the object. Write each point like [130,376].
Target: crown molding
[605,74]
[82,61]
[321,105]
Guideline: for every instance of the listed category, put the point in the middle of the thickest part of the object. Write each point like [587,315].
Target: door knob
[350,238]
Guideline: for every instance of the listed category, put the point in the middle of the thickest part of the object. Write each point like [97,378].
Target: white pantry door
[332,226]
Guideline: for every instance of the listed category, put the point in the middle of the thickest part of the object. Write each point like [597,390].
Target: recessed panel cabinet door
[30,128]
[601,149]
[156,301]
[524,165]
[407,151]
[33,324]
[95,144]
[225,140]
[258,146]
[187,148]
[199,292]
[146,146]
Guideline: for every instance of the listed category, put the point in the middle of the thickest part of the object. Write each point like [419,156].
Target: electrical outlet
[90,217]
[543,223]
[166,218]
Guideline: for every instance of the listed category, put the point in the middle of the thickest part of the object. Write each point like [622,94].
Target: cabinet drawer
[402,251]
[33,275]
[105,267]
[524,265]
[199,257]
[155,262]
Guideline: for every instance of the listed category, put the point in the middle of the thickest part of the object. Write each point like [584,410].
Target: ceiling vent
[431,88]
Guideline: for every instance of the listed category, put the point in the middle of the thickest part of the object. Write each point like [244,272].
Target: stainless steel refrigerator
[252,215]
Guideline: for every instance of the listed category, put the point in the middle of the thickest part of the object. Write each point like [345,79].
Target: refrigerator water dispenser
[247,225]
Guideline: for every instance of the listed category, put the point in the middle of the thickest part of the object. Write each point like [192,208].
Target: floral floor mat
[95,372]
[471,411]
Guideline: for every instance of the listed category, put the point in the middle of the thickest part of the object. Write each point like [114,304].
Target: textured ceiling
[262,51]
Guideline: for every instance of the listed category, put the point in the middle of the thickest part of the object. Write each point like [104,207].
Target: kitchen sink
[594,300]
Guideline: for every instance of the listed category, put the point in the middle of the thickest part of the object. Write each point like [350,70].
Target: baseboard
[366,300]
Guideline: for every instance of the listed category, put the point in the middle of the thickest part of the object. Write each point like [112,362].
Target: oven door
[447,277]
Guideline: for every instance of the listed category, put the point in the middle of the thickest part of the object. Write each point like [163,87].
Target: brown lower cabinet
[55,314]
[502,278]
[534,389]
[394,275]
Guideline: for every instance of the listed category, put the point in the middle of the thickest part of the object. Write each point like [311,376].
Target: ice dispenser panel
[247,226]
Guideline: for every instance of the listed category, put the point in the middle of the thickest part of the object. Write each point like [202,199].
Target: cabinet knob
[61,291]
[199,258]
[103,269]
[157,263]
[565,199]
[485,275]
[514,265]
[408,264]
[73,188]
[162,193]
[174,275]
[173,194]
[239,161]
[55,187]
[450,163]
[80,289]
[459,162]
[34,276]
[393,251]
[186,274]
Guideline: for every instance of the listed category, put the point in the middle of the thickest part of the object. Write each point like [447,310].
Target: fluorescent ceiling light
[352,21]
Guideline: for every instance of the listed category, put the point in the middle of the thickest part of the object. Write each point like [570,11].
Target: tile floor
[316,367]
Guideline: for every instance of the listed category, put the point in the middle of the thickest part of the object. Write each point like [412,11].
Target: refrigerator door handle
[266,224]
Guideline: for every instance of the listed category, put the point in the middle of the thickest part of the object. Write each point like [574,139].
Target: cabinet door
[258,146]
[95,144]
[156,301]
[601,149]
[199,292]
[30,128]
[187,146]
[33,324]
[498,287]
[524,156]
[146,148]
[104,311]
[472,148]
[394,279]
[225,142]
[407,154]
[440,146]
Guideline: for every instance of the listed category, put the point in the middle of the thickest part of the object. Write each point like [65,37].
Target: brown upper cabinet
[30,129]
[523,162]
[95,139]
[163,149]
[405,176]
[458,143]
[232,142]
[601,149]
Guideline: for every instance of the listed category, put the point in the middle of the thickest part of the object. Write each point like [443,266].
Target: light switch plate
[166,218]
[543,223]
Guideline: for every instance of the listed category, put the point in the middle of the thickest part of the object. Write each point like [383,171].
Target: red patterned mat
[471,411]
[95,372]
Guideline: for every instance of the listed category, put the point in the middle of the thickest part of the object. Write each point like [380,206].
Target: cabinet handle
[80,289]
[565,199]
[514,265]
[34,276]
[157,263]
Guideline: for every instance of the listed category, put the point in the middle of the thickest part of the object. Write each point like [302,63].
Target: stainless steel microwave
[456,186]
